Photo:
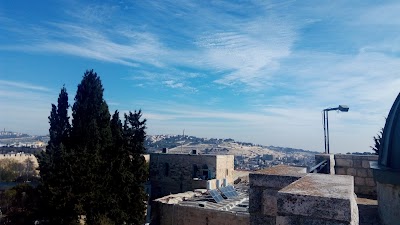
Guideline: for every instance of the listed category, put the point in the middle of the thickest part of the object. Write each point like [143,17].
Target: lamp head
[343,108]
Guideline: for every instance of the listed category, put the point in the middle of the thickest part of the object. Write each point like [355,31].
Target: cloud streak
[23,85]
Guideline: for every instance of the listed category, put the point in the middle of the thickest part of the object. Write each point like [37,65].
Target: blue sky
[257,71]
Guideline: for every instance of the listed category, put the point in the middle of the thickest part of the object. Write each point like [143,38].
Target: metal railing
[319,167]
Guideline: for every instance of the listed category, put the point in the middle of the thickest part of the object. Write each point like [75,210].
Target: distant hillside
[20,140]
[155,143]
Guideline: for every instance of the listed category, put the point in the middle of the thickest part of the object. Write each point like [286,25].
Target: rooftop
[201,198]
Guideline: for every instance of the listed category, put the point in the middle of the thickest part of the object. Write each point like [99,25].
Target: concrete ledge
[320,196]
[276,177]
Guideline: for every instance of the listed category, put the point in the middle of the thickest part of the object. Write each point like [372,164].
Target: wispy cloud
[255,68]
[24,85]
[247,54]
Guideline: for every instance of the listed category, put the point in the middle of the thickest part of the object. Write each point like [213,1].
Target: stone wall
[358,167]
[225,168]
[175,214]
[176,173]
[20,158]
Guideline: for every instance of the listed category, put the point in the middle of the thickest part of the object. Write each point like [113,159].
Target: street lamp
[342,108]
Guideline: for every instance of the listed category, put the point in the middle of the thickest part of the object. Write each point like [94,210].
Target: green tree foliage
[128,169]
[90,141]
[55,167]
[377,142]
[11,170]
[103,172]
[20,204]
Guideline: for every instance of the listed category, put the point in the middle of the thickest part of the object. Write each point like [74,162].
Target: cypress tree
[55,188]
[128,173]
[134,137]
[94,167]
[90,140]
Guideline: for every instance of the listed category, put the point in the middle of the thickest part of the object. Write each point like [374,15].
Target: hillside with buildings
[248,156]
[16,139]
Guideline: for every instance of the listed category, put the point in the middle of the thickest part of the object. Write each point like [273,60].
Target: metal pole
[324,131]
[327,130]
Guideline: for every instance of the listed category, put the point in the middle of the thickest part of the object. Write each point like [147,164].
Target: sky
[256,71]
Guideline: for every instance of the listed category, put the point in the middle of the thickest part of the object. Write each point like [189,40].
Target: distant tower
[183,135]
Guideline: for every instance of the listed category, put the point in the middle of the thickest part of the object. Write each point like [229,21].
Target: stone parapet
[174,214]
[318,199]
[264,186]
[276,177]
[358,167]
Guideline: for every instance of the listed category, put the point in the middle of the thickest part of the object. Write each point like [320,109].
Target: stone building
[280,195]
[197,208]
[177,173]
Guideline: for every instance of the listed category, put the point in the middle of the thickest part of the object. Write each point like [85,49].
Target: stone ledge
[320,196]
[276,177]
[341,162]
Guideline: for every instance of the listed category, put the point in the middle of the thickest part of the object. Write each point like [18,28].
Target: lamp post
[342,108]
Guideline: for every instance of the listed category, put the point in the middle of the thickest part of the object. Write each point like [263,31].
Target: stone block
[257,219]
[340,171]
[370,173]
[320,196]
[370,182]
[255,199]
[357,163]
[269,202]
[276,177]
[351,171]
[365,164]
[366,191]
[343,156]
[356,189]
[359,181]
[297,220]
[344,162]
[362,172]
[373,157]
